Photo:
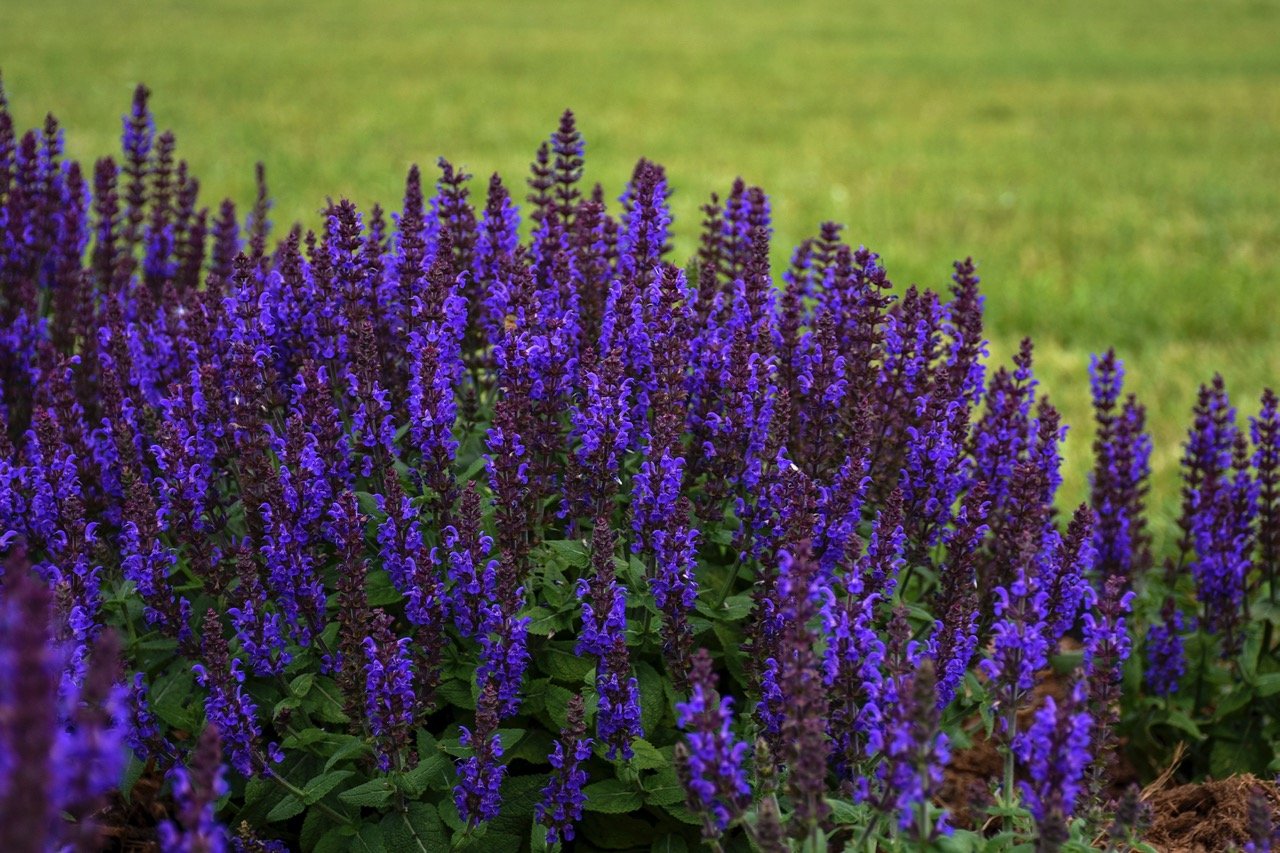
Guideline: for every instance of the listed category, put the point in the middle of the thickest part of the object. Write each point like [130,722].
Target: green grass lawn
[1112,166]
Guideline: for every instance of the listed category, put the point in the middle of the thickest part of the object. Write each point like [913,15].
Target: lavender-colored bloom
[389,700]
[604,600]
[477,794]
[228,707]
[470,570]
[711,762]
[562,798]
[504,655]
[618,712]
[912,748]
[196,790]
[1107,646]
[1166,656]
[955,635]
[1020,647]
[1264,431]
[1122,467]
[1055,752]
[62,741]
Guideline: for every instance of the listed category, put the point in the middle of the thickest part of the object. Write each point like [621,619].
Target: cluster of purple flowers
[342,453]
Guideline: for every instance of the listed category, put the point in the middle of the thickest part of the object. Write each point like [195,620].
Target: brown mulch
[130,827]
[1209,816]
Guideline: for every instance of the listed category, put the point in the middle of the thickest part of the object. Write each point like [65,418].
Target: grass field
[1112,166]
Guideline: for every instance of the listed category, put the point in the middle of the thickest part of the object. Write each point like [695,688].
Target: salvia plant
[479,523]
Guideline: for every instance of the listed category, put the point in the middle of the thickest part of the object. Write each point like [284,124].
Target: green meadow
[1113,167]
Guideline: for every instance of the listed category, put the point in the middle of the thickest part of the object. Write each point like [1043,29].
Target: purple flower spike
[711,761]
[196,789]
[477,794]
[1054,754]
[562,798]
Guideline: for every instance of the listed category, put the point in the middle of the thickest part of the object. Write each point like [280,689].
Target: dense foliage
[435,535]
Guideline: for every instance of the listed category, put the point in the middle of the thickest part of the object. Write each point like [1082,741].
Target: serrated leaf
[456,694]
[301,685]
[663,788]
[337,840]
[132,773]
[534,747]
[314,826]
[1234,701]
[305,737]
[416,830]
[557,699]
[1179,720]
[375,793]
[369,839]
[734,609]
[562,664]
[669,844]
[170,696]
[538,839]
[572,552]
[683,815]
[323,784]
[845,812]
[647,756]
[352,747]
[285,809]
[616,831]
[652,705]
[431,765]
[611,796]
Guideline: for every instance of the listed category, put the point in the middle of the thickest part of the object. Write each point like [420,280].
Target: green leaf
[322,701]
[351,747]
[323,784]
[542,622]
[456,694]
[1234,701]
[652,705]
[734,609]
[416,830]
[538,839]
[314,826]
[663,788]
[1269,684]
[683,815]
[508,737]
[534,747]
[647,756]
[340,839]
[561,663]
[572,552]
[557,704]
[669,844]
[616,831]
[432,764]
[375,793]
[449,814]
[845,812]
[611,796]
[369,839]
[170,697]
[306,737]
[301,685]
[285,809]
[132,773]
[1179,720]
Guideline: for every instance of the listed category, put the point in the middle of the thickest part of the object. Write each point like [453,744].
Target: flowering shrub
[434,535]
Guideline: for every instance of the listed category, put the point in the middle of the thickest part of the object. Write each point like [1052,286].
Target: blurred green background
[1112,166]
